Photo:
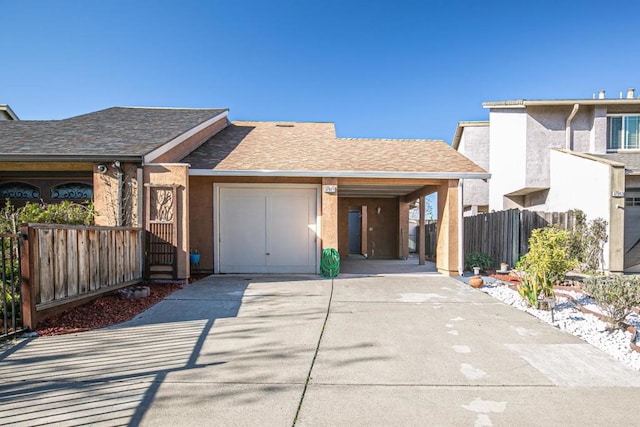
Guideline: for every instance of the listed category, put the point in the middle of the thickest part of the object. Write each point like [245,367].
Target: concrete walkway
[397,349]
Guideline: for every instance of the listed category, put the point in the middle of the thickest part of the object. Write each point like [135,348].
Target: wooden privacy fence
[65,265]
[430,239]
[504,235]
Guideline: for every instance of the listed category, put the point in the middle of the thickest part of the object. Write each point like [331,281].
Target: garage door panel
[242,238]
[290,231]
[256,221]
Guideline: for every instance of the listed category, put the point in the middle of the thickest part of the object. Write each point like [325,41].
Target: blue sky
[402,69]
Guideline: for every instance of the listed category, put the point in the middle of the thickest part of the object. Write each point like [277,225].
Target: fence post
[27,288]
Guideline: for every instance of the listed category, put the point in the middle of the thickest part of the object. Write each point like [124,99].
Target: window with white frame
[632,197]
[623,132]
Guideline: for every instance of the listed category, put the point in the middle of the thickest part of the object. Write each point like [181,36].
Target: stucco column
[422,233]
[616,218]
[447,234]
[329,213]
[114,197]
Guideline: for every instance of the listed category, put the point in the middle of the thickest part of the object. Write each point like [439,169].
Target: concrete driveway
[396,349]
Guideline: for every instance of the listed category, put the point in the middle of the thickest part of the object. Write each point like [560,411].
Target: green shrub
[549,255]
[615,294]
[65,212]
[548,260]
[478,259]
[12,301]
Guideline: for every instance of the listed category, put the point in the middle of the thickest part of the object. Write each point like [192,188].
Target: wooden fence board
[94,259]
[84,262]
[113,250]
[119,259]
[60,264]
[72,263]
[44,267]
[103,265]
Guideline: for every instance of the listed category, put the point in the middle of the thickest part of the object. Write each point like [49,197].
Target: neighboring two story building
[557,155]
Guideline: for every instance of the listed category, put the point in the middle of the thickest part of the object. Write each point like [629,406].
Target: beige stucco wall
[587,184]
[106,194]
[329,214]
[382,240]
[175,174]
[382,229]
[447,231]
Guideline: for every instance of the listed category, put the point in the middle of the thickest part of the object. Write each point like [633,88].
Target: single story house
[251,197]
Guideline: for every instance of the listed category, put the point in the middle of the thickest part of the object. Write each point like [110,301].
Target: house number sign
[331,189]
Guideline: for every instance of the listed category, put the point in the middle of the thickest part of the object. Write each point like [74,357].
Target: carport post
[421,240]
[447,228]
[329,213]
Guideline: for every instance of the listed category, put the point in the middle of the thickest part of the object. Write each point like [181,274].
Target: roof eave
[523,103]
[69,158]
[9,111]
[339,174]
[457,136]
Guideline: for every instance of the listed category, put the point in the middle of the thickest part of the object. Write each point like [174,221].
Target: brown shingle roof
[286,146]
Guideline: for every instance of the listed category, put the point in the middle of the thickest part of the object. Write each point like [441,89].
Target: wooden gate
[161,225]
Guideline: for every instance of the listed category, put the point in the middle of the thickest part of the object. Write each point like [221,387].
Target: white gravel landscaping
[570,319]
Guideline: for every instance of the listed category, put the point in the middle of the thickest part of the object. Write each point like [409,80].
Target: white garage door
[268,229]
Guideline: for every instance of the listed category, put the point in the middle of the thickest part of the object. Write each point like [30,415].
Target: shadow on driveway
[114,375]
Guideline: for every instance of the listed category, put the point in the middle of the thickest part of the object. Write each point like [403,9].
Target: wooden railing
[65,265]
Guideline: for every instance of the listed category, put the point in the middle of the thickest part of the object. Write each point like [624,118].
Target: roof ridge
[390,139]
[139,107]
[281,121]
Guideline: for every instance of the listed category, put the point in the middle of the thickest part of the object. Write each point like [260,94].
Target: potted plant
[194,257]
[478,262]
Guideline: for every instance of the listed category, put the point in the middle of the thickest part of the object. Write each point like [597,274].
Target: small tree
[548,259]
[586,241]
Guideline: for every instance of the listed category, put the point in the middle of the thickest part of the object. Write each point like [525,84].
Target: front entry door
[355,227]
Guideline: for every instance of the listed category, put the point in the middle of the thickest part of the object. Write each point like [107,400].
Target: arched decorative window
[19,190]
[72,190]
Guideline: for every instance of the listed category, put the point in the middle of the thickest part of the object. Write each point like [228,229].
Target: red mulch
[104,311]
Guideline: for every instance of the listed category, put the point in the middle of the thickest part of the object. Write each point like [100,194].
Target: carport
[383,207]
